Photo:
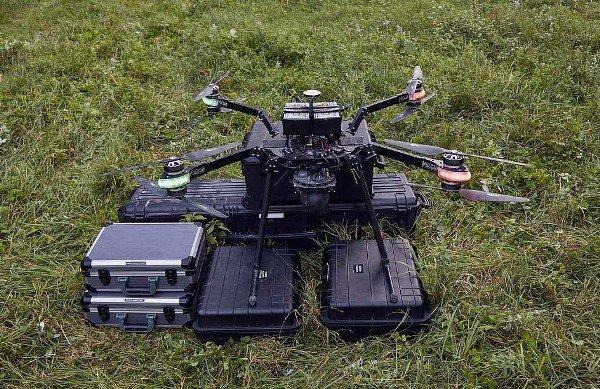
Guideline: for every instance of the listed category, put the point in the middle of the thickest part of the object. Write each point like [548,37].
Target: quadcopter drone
[314,157]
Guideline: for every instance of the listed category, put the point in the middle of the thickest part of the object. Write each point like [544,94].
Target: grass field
[88,86]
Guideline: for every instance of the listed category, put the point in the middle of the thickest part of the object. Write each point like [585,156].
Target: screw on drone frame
[262,228]
[356,166]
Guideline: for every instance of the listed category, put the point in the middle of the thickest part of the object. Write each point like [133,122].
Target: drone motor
[211,101]
[174,178]
[453,172]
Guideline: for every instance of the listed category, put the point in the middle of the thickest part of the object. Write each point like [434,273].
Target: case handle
[146,291]
[423,200]
[150,319]
[325,273]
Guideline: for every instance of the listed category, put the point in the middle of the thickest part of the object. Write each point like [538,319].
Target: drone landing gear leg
[385,262]
[262,227]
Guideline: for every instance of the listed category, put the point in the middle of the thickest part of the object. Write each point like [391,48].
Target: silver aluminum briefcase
[145,258]
[138,314]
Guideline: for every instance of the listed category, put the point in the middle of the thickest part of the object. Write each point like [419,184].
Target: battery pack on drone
[222,308]
[327,119]
[355,300]
[138,314]
[145,258]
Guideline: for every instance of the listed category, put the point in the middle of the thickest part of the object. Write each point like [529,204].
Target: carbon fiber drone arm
[249,110]
[218,163]
[429,164]
[378,106]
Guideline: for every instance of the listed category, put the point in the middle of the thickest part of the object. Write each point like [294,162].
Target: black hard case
[392,200]
[283,189]
[223,311]
[355,298]
[138,314]
[145,258]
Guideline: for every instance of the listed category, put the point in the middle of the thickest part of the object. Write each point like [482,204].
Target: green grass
[87,86]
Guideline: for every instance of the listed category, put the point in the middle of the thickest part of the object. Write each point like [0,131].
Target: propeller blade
[198,155]
[416,147]
[417,73]
[407,112]
[502,160]
[209,88]
[478,195]
[156,190]
[129,168]
[151,187]
[417,78]
[192,156]
[410,109]
[435,150]
[426,98]
[220,78]
[205,208]
[411,87]
[203,93]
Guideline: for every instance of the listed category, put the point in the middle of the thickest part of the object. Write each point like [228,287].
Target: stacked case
[140,276]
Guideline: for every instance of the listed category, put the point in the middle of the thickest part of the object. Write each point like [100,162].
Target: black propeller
[477,195]
[435,150]
[411,88]
[153,188]
[192,156]
[410,109]
[417,78]
[209,88]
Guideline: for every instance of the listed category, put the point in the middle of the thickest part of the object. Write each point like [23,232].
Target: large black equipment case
[355,298]
[283,189]
[392,200]
[145,258]
[222,307]
[138,314]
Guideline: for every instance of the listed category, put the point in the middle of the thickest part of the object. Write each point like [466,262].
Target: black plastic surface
[355,299]
[222,305]
[283,191]
[392,200]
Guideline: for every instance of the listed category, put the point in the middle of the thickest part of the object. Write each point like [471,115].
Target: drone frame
[450,169]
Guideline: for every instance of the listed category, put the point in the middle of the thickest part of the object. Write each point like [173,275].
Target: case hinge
[171,276]
[104,275]
[169,313]
[103,312]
